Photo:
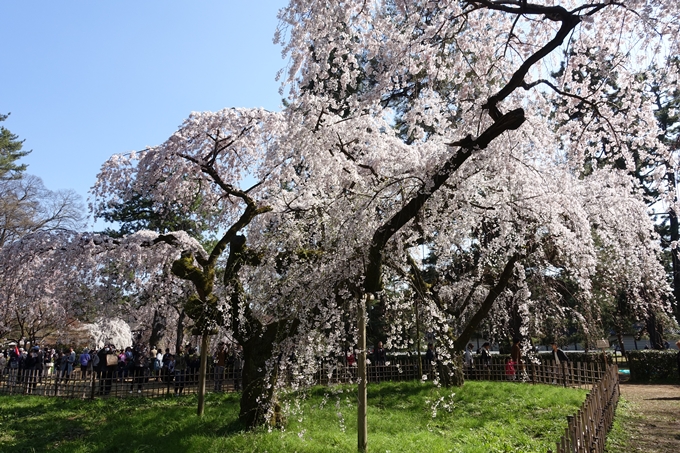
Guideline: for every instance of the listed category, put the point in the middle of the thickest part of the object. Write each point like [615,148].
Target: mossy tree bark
[260,375]
[202,307]
[258,341]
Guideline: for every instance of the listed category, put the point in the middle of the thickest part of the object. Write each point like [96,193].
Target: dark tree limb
[484,309]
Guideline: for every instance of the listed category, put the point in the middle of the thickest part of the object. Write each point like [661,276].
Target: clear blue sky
[88,79]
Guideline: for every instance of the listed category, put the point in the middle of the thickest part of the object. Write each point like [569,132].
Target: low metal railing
[126,383]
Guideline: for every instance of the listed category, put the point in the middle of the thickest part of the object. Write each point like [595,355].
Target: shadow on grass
[158,425]
[408,411]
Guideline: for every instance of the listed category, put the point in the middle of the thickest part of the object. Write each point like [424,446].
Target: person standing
[108,364]
[158,364]
[31,369]
[561,360]
[3,364]
[65,366]
[485,359]
[138,367]
[516,355]
[469,360]
[430,361]
[13,365]
[510,370]
[220,359]
[379,355]
[84,363]
[71,360]
[379,360]
[193,365]
[430,355]
[166,373]
[180,371]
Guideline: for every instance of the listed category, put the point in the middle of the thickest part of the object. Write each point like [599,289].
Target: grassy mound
[402,417]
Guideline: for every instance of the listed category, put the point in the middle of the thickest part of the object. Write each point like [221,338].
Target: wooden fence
[587,430]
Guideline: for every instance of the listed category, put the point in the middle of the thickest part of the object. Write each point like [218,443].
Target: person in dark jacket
[430,355]
[31,364]
[138,366]
[560,359]
[485,355]
[558,355]
[379,361]
[106,372]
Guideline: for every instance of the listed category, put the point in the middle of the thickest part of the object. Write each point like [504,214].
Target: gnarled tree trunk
[258,405]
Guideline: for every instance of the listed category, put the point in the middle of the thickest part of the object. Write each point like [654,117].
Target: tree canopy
[501,136]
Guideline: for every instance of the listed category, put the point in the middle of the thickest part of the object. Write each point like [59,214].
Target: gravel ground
[654,426]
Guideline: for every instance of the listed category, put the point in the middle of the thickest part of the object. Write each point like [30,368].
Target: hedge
[649,365]
[547,356]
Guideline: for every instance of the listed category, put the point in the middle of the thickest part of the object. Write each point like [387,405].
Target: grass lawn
[402,417]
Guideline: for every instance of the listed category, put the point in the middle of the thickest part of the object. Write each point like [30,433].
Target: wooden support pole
[202,374]
[362,426]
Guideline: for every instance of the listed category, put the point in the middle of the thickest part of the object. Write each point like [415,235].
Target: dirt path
[654,424]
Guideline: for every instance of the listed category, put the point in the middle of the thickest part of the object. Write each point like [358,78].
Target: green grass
[618,438]
[402,417]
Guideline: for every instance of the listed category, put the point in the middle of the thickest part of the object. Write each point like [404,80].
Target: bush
[577,356]
[650,365]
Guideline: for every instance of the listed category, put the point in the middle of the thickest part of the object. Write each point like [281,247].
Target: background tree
[653,165]
[49,279]
[139,213]
[26,206]
[142,213]
[10,152]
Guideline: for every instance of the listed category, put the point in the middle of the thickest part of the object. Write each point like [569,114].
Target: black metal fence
[569,374]
[151,384]
[107,384]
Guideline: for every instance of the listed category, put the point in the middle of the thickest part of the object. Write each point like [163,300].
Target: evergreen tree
[10,152]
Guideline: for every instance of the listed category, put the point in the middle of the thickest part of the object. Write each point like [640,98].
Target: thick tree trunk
[452,374]
[619,336]
[675,260]
[483,311]
[257,400]
[655,331]
[180,330]
[158,326]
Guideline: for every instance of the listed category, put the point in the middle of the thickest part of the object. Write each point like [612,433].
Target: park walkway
[654,422]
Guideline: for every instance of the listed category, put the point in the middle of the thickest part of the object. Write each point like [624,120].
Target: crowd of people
[134,365]
[137,365]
